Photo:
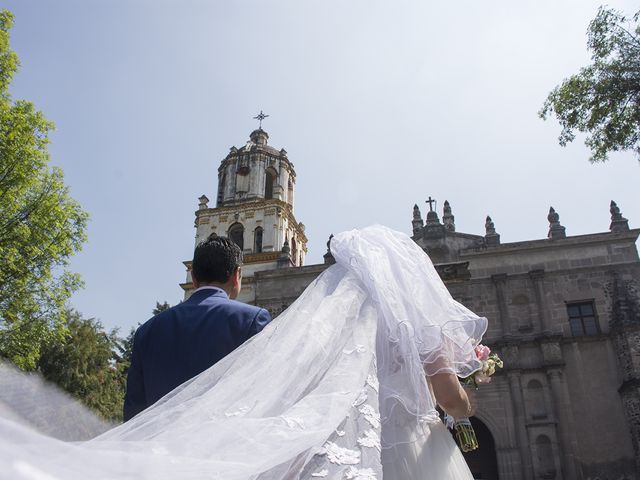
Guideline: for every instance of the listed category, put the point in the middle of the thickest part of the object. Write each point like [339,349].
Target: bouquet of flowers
[463,431]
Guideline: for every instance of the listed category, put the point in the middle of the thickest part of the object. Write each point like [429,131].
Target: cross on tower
[261,116]
[431,201]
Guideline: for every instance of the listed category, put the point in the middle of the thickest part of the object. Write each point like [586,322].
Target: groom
[185,340]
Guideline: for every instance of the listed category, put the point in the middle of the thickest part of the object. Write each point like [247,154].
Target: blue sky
[379,104]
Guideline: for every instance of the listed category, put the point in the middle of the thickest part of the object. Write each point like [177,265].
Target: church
[564,315]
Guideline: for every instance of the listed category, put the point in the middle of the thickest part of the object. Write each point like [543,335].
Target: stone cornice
[260,257]
[559,271]
[256,151]
[293,271]
[538,339]
[283,208]
[446,233]
[569,242]
[244,206]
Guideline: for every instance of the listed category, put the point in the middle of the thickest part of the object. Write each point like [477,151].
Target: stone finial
[284,260]
[233,150]
[417,222]
[448,219]
[328,257]
[489,226]
[555,229]
[491,237]
[283,152]
[618,222]
[285,247]
[203,203]
[416,212]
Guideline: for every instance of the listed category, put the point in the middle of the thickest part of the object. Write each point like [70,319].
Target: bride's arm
[450,395]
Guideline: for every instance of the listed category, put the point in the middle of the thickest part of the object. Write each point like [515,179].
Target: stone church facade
[564,314]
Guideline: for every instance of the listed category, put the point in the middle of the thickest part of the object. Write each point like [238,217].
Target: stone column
[544,322]
[499,280]
[561,408]
[520,424]
[509,463]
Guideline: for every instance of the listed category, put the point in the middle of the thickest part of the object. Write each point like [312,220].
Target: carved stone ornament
[551,353]
[555,229]
[489,226]
[618,222]
[510,356]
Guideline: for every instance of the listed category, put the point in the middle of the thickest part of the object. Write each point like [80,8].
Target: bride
[342,385]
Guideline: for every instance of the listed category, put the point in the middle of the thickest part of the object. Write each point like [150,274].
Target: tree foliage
[161,307]
[41,226]
[603,98]
[87,365]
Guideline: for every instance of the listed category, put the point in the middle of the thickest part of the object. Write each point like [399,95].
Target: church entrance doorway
[483,462]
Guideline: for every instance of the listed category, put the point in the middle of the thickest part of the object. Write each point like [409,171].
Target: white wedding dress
[332,388]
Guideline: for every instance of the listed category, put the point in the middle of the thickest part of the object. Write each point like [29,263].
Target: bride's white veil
[308,397]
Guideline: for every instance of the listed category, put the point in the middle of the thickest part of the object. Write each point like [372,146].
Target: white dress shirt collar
[209,287]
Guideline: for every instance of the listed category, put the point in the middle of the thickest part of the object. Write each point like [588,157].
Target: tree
[603,99]
[86,364]
[161,307]
[41,226]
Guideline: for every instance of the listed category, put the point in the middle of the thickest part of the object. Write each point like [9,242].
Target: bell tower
[254,208]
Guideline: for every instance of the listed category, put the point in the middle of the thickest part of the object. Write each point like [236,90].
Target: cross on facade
[431,201]
[261,116]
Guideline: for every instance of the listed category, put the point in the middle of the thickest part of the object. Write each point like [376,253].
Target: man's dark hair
[215,260]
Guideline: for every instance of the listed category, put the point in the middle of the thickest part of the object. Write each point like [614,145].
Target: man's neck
[202,286]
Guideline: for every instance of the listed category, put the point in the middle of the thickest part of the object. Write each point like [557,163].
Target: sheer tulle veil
[319,393]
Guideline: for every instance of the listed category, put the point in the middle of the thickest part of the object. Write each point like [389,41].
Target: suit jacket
[185,340]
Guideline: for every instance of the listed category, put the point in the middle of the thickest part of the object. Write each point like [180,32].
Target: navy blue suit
[185,340]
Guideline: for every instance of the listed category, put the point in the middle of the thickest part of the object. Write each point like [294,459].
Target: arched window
[257,240]
[544,454]
[269,182]
[535,400]
[236,234]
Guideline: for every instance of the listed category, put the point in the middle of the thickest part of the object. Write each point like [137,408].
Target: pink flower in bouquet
[482,352]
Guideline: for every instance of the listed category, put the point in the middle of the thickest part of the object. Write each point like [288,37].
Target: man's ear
[194,280]
[237,276]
